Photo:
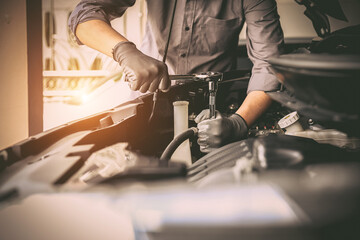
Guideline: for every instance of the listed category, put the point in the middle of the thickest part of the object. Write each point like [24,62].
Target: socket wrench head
[209,76]
[213,78]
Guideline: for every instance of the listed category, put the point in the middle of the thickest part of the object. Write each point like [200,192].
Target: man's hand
[216,132]
[143,72]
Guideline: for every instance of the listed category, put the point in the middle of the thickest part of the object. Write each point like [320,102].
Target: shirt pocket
[217,35]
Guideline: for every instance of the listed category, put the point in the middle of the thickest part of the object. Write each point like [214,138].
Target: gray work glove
[144,73]
[218,131]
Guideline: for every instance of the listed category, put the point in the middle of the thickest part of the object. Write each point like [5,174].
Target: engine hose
[156,93]
[177,141]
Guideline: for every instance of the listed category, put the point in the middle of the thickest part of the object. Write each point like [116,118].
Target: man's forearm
[99,35]
[253,106]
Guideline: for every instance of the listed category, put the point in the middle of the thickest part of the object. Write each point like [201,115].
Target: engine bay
[296,175]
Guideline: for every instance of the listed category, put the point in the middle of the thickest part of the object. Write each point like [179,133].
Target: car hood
[331,8]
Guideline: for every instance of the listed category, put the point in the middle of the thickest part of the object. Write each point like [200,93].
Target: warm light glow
[280,77]
[60,109]
[84,98]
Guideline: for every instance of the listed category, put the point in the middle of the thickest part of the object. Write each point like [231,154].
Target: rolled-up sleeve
[105,10]
[264,40]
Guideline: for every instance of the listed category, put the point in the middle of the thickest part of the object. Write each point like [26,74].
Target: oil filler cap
[290,123]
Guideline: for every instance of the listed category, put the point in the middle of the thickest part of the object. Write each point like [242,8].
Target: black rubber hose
[176,142]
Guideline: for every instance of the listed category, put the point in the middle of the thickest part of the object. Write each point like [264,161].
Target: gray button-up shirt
[205,33]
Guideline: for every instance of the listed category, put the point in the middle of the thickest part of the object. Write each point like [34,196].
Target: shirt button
[183,55]
[187,28]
